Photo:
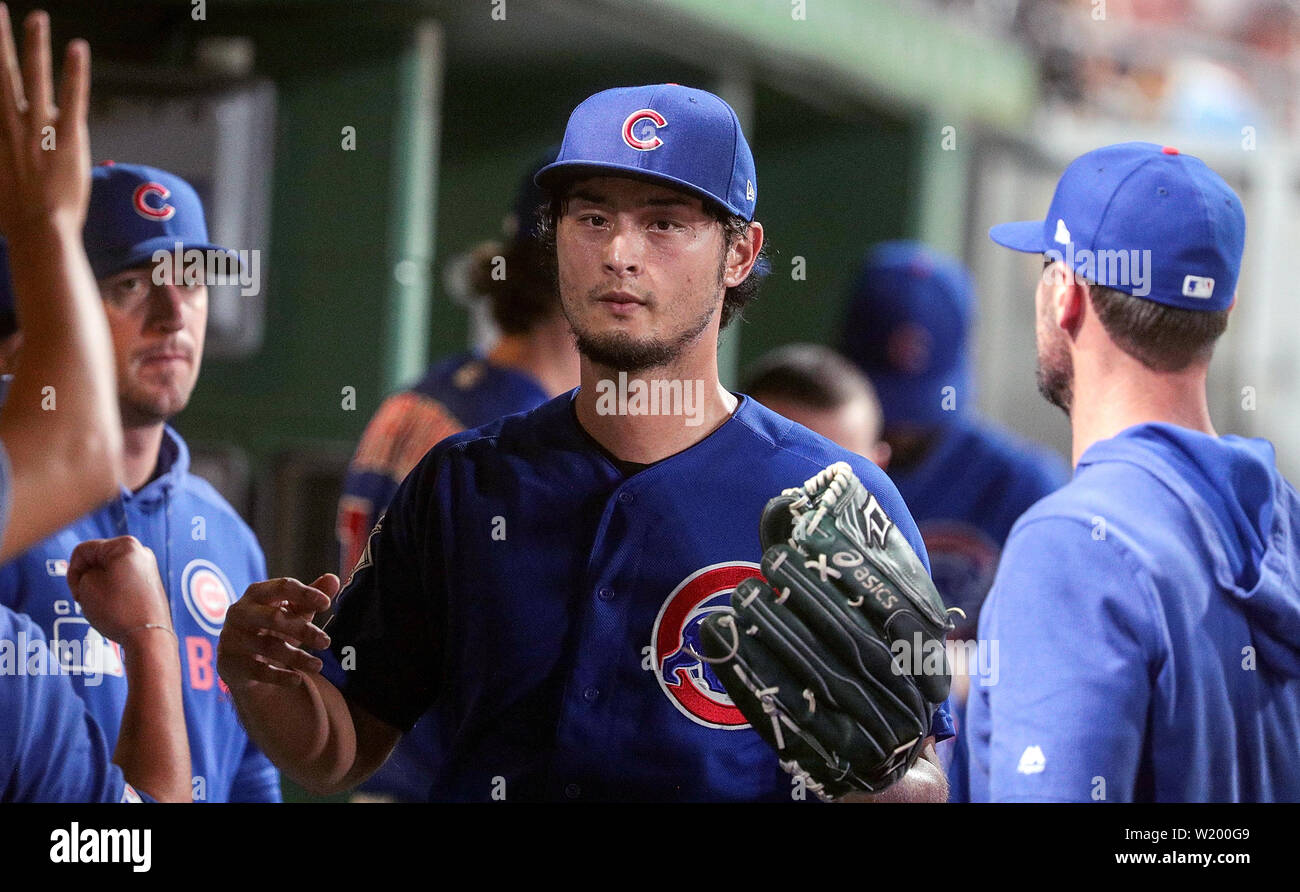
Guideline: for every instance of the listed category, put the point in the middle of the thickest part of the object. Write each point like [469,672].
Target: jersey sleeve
[257,780]
[384,632]
[1057,711]
[51,749]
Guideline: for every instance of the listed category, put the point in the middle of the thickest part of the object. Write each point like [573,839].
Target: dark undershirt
[628,468]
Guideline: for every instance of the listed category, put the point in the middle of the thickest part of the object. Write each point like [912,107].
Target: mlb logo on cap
[136,210]
[666,133]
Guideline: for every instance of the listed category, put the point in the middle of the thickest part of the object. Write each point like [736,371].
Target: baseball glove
[836,654]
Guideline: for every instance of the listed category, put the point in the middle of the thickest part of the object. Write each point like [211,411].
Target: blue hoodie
[207,557]
[1144,631]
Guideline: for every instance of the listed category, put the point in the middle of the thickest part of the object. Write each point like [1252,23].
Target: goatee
[621,352]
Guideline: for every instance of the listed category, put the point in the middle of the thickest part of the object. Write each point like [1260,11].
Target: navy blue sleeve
[385,630]
[1056,716]
[51,749]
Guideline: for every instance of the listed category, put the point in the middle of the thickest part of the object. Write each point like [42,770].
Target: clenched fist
[116,583]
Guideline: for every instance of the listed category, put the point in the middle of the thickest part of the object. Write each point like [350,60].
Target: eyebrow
[597,198]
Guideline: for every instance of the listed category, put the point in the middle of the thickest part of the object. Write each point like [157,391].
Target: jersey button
[605,594]
[626,497]
[591,694]
[573,791]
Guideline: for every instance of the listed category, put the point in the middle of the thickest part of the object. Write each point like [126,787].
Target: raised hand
[44,148]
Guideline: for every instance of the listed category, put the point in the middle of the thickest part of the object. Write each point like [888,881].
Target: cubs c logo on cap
[140,200]
[641,129]
[207,593]
[691,684]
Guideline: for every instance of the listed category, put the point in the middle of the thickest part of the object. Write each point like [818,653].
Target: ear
[742,255]
[1067,297]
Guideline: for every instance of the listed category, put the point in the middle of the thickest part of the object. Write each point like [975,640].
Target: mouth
[164,358]
[621,302]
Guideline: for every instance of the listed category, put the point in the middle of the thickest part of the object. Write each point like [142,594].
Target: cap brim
[553,175]
[1026,235]
[143,253]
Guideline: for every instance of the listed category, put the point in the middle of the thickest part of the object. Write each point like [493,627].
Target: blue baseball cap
[136,210]
[1143,219]
[666,133]
[906,326]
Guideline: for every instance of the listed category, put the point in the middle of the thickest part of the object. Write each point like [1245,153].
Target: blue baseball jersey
[457,393]
[545,604]
[462,391]
[965,495]
[207,557]
[51,748]
[1147,624]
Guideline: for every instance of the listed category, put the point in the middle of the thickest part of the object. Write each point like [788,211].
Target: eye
[663,226]
[592,219]
[125,289]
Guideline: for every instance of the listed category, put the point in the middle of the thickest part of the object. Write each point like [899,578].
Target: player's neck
[1115,392]
[140,454]
[647,416]
[546,353]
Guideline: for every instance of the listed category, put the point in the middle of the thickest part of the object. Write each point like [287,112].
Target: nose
[167,307]
[623,251]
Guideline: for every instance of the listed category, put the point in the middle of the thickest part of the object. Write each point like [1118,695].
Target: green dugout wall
[844,108]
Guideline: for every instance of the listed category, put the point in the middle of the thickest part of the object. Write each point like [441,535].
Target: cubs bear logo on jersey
[208,594]
[641,129]
[691,684]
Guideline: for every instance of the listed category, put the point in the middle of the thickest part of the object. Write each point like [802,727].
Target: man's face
[641,271]
[1055,365]
[157,341]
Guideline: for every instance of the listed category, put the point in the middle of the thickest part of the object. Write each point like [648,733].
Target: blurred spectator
[816,387]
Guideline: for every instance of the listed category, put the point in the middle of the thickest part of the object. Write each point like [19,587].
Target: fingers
[259,618]
[244,654]
[327,583]
[74,93]
[37,76]
[85,557]
[301,598]
[12,103]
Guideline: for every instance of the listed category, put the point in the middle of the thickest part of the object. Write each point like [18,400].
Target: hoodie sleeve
[1059,710]
[51,749]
